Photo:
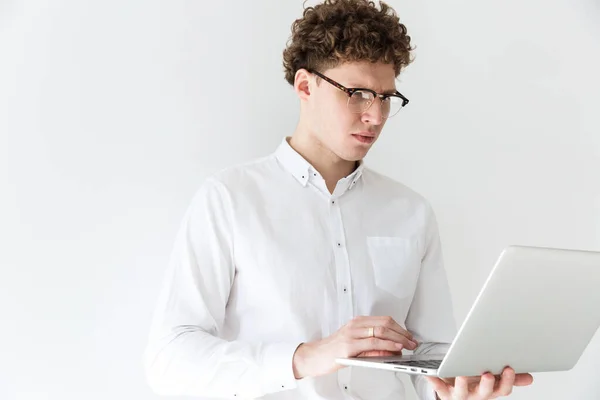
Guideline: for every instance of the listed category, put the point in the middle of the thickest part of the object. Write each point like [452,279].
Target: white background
[113,112]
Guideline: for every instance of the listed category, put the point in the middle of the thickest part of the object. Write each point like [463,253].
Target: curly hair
[339,31]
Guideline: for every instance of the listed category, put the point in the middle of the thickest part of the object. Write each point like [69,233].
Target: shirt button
[339,245]
[345,289]
[332,201]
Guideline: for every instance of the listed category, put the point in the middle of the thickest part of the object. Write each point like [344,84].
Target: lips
[365,134]
[364,138]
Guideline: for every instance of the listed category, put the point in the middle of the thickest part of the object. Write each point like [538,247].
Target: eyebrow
[389,91]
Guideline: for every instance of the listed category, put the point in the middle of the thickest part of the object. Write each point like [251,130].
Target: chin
[355,154]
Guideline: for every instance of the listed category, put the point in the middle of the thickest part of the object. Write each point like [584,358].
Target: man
[288,262]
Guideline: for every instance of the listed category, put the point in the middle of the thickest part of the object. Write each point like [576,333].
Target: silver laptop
[537,312]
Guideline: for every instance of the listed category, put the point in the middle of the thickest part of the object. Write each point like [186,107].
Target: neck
[331,167]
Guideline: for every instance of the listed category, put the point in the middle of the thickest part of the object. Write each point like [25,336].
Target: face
[331,124]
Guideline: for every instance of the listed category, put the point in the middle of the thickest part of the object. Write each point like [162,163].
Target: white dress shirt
[266,258]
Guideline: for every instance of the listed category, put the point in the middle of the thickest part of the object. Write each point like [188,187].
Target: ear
[302,83]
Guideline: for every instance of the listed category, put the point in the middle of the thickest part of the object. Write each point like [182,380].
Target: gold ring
[372,331]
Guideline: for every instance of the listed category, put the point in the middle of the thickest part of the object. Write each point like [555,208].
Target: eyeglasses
[360,99]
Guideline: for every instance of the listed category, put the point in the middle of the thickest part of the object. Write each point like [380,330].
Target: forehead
[376,76]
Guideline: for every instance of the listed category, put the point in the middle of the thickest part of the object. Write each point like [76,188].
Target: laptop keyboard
[431,364]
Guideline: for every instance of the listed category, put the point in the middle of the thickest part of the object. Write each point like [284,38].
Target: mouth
[365,138]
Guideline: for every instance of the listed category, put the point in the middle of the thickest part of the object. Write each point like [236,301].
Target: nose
[373,115]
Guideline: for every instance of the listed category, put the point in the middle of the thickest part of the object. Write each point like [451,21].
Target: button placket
[344,380]
[342,265]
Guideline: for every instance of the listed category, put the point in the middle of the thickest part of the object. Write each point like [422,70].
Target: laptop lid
[537,311]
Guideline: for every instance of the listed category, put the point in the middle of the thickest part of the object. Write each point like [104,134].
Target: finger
[389,334]
[449,381]
[461,388]
[486,386]
[383,329]
[386,322]
[380,353]
[390,323]
[441,388]
[507,381]
[523,379]
[373,344]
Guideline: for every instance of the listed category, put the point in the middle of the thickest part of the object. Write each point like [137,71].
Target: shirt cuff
[277,367]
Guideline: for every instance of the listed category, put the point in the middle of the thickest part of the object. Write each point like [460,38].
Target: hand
[479,388]
[352,340]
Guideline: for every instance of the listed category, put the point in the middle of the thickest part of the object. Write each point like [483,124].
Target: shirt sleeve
[184,354]
[431,316]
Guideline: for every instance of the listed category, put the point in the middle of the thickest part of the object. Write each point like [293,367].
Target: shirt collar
[301,169]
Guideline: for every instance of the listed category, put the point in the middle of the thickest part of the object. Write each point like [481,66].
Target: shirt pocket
[396,264]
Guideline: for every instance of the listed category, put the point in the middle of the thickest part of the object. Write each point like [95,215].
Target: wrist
[299,361]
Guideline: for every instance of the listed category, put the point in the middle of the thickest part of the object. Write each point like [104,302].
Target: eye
[363,95]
